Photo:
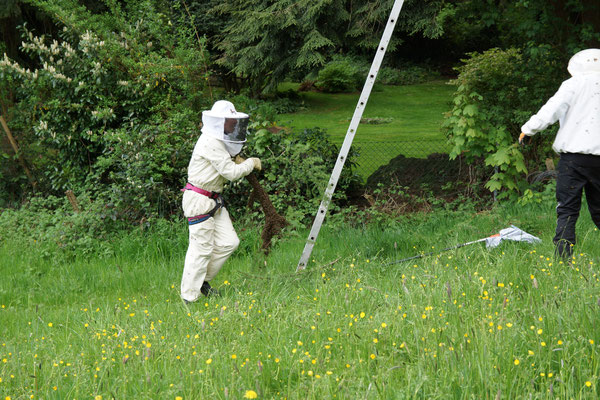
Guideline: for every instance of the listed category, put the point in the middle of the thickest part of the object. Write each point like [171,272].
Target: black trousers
[576,173]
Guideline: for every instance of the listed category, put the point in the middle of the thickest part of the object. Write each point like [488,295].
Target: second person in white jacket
[576,105]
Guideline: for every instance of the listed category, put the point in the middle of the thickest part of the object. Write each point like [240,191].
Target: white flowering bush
[112,107]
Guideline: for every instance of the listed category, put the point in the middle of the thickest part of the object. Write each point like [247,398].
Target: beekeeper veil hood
[585,62]
[224,123]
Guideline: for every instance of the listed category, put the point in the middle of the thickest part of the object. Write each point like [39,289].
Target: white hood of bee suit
[585,62]
[213,124]
[213,120]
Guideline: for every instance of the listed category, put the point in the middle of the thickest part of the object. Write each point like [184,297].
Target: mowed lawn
[411,119]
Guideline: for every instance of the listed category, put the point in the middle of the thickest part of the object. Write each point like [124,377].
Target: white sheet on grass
[511,233]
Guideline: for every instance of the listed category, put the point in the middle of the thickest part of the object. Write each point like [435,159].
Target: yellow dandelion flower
[588,383]
[383,324]
[375,340]
[178,398]
[362,314]
[517,361]
[539,331]
[250,394]
[209,361]
[233,356]
[560,342]
[372,356]
[591,341]
[50,324]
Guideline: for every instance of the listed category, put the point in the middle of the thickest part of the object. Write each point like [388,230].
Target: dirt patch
[435,171]
[408,184]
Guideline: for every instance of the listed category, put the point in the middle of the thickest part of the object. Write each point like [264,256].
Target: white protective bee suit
[213,239]
[576,105]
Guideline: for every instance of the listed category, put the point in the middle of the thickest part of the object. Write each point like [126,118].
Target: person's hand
[522,138]
[257,163]
[238,159]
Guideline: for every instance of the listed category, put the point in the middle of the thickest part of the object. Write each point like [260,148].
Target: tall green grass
[508,322]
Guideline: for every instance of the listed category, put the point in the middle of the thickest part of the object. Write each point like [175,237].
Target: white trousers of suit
[211,242]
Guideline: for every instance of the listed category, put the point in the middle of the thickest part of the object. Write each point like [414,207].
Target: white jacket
[576,105]
[211,165]
[209,168]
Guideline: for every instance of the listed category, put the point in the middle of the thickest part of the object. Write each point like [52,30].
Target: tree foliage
[112,108]
[262,42]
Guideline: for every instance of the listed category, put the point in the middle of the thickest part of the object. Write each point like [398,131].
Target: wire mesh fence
[419,168]
[417,160]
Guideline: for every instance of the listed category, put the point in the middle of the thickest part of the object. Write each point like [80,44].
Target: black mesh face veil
[235,129]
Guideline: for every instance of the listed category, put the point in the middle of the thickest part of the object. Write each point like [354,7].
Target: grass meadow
[471,323]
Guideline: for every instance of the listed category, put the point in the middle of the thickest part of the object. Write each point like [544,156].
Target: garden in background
[102,107]
[397,120]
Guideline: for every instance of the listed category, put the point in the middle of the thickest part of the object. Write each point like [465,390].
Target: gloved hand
[238,159]
[522,139]
[257,163]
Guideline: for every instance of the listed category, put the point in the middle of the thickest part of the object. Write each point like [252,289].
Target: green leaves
[492,100]
[114,108]
[263,42]
[498,158]
[470,110]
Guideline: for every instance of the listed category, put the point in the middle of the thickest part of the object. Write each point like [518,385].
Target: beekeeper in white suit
[212,238]
[576,105]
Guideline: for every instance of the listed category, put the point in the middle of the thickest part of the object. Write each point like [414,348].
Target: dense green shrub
[497,92]
[113,108]
[339,76]
[408,75]
[296,168]
[50,226]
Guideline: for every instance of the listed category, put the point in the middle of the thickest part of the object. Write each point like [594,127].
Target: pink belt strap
[212,195]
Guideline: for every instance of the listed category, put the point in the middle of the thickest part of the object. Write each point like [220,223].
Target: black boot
[208,291]
[564,250]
